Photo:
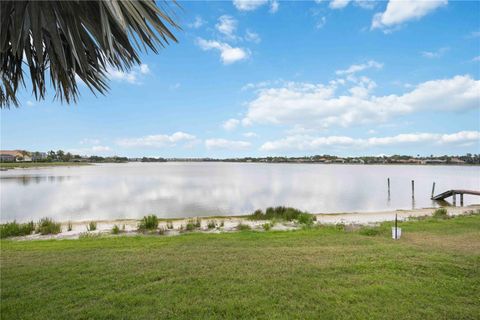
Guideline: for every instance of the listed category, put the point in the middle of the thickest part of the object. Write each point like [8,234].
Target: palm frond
[70,40]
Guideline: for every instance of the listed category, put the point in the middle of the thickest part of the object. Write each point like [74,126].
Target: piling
[461,199]
[433,190]
[413,189]
[388,184]
[454,199]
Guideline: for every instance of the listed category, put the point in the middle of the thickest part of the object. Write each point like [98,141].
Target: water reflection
[132,190]
[27,179]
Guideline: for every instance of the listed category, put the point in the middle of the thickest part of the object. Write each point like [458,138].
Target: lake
[177,189]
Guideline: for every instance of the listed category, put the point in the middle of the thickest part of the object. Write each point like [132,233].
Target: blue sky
[257,78]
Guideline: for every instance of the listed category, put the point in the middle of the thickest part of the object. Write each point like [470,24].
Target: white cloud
[94,150]
[133,76]
[476,59]
[360,67]
[248,5]
[474,34]
[89,141]
[435,54]
[226,144]
[230,124]
[274,6]
[175,86]
[311,143]
[401,11]
[227,26]
[252,37]
[250,135]
[30,103]
[338,4]
[157,141]
[320,106]
[321,22]
[197,23]
[228,54]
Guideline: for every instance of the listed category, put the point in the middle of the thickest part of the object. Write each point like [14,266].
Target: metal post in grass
[396,237]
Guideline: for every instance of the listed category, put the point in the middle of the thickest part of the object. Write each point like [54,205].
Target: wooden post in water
[388,184]
[413,189]
[433,190]
[454,199]
[461,199]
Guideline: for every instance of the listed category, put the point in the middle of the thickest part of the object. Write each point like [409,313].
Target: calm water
[112,191]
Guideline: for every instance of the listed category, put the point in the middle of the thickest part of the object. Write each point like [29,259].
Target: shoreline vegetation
[274,218]
[11,159]
[324,271]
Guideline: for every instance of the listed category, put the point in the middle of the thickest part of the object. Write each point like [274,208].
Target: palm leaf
[70,40]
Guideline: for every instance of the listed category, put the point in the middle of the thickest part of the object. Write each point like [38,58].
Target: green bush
[222,224]
[440,213]
[193,224]
[211,224]
[14,229]
[148,223]
[161,230]
[306,219]
[267,226]
[48,226]
[243,227]
[169,225]
[280,213]
[116,229]
[92,226]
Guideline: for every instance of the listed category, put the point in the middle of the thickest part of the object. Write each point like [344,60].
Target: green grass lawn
[433,272]
[12,165]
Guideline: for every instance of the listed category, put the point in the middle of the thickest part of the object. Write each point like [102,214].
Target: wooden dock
[453,193]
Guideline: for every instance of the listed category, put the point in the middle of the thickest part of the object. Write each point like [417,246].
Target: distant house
[457,161]
[14,155]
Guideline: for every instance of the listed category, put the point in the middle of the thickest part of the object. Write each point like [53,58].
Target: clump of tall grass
[267,226]
[69,226]
[440,213]
[306,219]
[211,224]
[193,224]
[88,235]
[14,229]
[370,231]
[161,230]
[48,226]
[115,229]
[243,227]
[169,225]
[92,226]
[222,224]
[280,213]
[148,223]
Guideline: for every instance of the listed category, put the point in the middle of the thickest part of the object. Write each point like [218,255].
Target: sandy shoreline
[229,224]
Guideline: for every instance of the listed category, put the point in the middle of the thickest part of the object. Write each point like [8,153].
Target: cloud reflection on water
[112,191]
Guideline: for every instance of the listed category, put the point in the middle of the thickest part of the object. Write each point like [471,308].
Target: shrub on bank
[148,223]
[48,226]
[115,229]
[282,213]
[193,224]
[243,227]
[92,226]
[14,229]
[440,213]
